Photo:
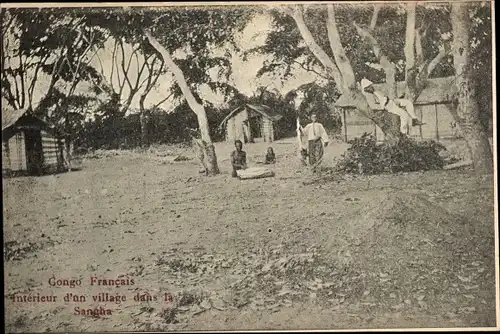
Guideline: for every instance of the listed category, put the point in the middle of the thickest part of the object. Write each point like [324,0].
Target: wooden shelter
[430,106]
[249,122]
[30,146]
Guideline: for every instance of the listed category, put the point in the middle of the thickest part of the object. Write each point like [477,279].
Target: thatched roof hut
[29,144]
[430,106]
[249,121]
[437,91]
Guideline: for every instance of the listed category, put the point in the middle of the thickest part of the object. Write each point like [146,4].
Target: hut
[249,122]
[30,146]
[431,107]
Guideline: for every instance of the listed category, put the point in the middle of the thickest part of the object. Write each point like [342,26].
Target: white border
[233,3]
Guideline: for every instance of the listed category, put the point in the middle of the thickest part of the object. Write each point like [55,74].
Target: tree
[51,44]
[466,108]
[134,70]
[347,49]
[195,31]
[319,99]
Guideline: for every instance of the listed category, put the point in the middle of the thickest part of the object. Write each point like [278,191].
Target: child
[270,156]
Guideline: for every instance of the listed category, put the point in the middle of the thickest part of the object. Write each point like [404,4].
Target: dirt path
[280,253]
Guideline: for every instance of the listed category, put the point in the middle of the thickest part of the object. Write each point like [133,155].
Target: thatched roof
[263,110]
[11,116]
[437,91]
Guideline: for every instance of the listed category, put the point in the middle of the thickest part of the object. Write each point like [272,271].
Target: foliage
[52,42]
[284,43]
[194,31]
[114,130]
[365,156]
[320,100]
[482,61]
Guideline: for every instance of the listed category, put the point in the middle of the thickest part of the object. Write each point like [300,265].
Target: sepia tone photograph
[172,167]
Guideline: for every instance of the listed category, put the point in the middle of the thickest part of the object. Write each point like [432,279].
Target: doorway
[34,152]
[255,127]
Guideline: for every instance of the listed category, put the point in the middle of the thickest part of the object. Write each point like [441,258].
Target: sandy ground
[296,251]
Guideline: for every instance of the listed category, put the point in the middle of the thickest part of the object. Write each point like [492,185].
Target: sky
[243,76]
[244,73]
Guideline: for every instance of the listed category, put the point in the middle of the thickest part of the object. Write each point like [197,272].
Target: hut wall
[52,151]
[267,129]
[439,124]
[5,156]
[354,124]
[240,131]
[16,153]
[236,127]
[231,130]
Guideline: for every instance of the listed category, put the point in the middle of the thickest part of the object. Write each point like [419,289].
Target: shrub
[365,156]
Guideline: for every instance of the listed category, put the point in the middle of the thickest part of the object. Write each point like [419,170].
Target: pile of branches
[366,156]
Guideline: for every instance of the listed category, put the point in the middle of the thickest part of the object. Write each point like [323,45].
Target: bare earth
[297,251]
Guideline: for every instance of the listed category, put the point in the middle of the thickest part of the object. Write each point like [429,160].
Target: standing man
[401,107]
[317,138]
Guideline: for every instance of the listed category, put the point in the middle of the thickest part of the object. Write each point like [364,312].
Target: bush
[365,156]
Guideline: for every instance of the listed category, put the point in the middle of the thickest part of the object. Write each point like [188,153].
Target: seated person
[238,158]
[270,156]
[402,107]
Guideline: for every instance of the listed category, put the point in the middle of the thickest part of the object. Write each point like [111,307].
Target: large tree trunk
[388,123]
[466,109]
[340,70]
[418,69]
[198,109]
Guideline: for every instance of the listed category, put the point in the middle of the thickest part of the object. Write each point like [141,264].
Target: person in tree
[238,158]
[270,156]
[402,107]
[317,138]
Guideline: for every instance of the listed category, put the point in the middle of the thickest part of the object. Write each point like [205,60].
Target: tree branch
[376,10]
[150,68]
[343,63]
[316,50]
[418,48]
[416,85]
[56,70]
[82,56]
[7,92]
[385,63]
[22,76]
[16,86]
[195,106]
[127,68]
[31,87]
[409,49]
[445,50]
[310,69]
[139,74]
[113,62]
[162,101]
[365,34]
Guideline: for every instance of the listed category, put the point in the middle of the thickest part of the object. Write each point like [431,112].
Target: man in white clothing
[317,137]
[401,107]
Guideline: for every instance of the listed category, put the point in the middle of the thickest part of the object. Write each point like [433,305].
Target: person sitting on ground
[402,107]
[238,158]
[270,156]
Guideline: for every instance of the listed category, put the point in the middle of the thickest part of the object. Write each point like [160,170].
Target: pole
[344,124]
[437,124]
